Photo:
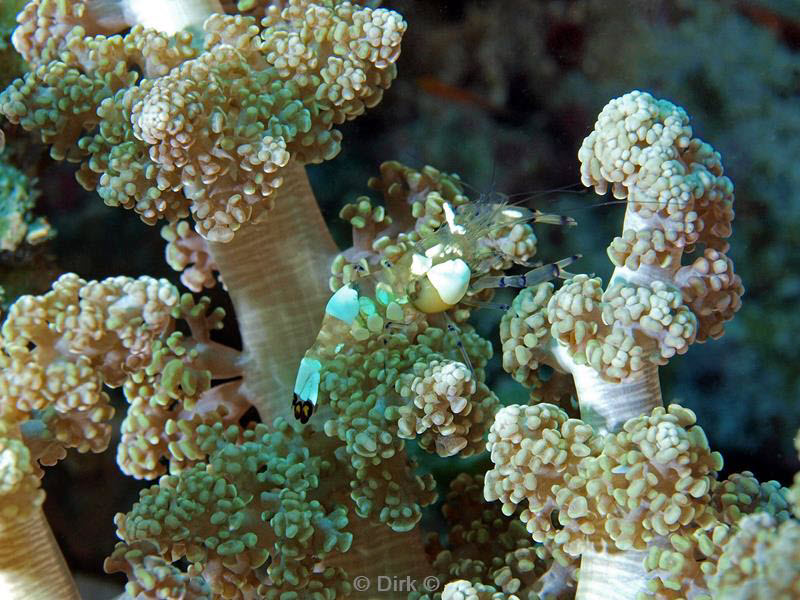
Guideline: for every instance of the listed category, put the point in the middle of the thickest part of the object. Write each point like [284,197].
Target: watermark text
[395,583]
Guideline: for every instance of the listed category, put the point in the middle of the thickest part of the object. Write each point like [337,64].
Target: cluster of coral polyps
[649,491]
[582,491]
[166,127]
[446,408]
[679,203]
[632,487]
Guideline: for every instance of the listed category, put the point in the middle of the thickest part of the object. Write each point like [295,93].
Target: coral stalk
[31,564]
[173,16]
[611,576]
[606,406]
[278,286]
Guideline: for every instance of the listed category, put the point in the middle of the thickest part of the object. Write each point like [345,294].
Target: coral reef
[303,455]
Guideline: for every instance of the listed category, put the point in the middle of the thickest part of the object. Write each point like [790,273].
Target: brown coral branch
[277,273]
[31,564]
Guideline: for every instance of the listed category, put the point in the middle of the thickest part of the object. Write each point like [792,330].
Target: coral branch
[31,564]
[279,290]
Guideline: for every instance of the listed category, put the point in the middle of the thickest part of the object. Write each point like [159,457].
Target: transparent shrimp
[430,278]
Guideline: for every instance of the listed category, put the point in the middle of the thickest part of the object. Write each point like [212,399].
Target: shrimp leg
[529,279]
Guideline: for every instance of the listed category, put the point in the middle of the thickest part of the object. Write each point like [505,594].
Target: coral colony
[350,358]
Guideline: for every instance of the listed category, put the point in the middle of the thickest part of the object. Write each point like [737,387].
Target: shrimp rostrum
[400,282]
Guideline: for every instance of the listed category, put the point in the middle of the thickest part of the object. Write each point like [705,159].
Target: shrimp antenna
[571,189]
[606,203]
[574,188]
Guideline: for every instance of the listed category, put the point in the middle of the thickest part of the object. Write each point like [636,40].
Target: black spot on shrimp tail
[302,409]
